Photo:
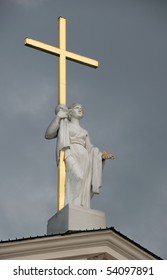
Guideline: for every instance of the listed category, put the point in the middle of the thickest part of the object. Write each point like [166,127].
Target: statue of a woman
[84,162]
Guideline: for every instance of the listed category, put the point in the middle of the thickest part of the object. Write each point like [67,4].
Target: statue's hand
[106,155]
[62,114]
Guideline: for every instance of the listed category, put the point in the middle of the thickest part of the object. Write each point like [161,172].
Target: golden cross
[62,54]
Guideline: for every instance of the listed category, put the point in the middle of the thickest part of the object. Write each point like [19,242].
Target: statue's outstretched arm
[105,155]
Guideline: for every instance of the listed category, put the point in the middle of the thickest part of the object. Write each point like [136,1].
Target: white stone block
[76,218]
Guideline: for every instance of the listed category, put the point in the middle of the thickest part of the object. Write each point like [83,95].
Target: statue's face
[77,112]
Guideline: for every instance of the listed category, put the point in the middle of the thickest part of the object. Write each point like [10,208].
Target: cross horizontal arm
[56,51]
[82,59]
[41,46]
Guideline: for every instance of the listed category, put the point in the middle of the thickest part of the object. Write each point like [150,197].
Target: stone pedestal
[75,218]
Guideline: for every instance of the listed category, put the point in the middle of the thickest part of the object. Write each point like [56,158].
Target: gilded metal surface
[106,155]
[61,182]
[56,51]
[41,46]
[61,100]
[62,54]
[62,61]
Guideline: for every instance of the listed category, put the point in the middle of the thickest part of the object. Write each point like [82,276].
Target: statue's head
[76,111]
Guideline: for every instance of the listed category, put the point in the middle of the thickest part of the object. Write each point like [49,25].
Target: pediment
[96,244]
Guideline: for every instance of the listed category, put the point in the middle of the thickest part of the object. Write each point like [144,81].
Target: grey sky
[125,111]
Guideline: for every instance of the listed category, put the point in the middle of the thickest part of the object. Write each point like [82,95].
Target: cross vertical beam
[62,61]
[61,100]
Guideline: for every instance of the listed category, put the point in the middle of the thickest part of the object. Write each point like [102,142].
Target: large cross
[62,54]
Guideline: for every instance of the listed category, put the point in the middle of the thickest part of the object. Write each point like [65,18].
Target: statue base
[75,218]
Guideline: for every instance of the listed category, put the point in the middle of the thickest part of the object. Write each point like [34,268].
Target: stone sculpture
[84,162]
